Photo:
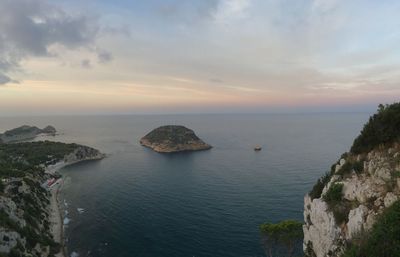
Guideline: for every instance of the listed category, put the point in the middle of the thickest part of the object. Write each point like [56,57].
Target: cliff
[341,211]
[25,211]
[24,133]
[169,139]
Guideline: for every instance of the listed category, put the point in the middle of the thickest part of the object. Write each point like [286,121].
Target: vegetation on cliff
[24,212]
[360,186]
[382,128]
[384,238]
[27,155]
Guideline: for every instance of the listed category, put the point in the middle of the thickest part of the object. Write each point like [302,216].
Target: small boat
[257,148]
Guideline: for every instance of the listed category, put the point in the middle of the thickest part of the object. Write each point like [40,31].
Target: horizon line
[185,114]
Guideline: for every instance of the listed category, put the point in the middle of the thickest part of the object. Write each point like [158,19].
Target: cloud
[104,56]
[187,12]
[4,79]
[216,80]
[229,10]
[30,28]
[85,63]
[190,12]
[324,5]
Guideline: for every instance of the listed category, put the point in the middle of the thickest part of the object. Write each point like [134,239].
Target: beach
[56,219]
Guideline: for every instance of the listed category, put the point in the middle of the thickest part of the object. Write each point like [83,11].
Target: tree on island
[284,234]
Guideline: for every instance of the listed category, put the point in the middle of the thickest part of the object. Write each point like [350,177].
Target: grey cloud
[86,64]
[29,28]
[188,11]
[4,79]
[104,56]
[216,80]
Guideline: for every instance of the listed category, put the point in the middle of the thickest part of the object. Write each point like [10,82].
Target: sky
[197,56]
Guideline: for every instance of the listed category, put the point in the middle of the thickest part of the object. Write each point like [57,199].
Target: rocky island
[170,139]
[25,133]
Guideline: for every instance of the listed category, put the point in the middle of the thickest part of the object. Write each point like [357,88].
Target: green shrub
[334,194]
[345,169]
[358,166]
[350,166]
[7,222]
[15,253]
[285,234]
[384,238]
[339,207]
[352,251]
[341,213]
[382,128]
[316,191]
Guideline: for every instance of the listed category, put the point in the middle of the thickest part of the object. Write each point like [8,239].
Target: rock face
[83,153]
[366,193]
[25,213]
[169,139]
[24,133]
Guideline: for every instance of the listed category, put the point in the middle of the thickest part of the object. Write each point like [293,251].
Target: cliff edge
[341,211]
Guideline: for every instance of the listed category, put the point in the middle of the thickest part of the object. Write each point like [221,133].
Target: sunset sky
[197,56]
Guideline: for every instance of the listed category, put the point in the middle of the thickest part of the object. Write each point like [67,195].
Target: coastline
[56,216]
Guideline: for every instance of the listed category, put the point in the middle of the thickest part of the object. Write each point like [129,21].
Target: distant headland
[24,133]
[171,139]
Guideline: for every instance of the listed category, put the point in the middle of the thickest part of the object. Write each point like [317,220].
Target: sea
[140,203]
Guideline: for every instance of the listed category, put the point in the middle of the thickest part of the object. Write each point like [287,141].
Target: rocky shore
[80,154]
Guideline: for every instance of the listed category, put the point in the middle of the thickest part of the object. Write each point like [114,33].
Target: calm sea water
[204,204]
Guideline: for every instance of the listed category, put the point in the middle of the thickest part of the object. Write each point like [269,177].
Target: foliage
[316,191]
[285,233]
[318,187]
[336,204]
[172,134]
[16,160]
[341,212]
[384,238]
[382,128]
[350,166]
[22,131]
[6,222]
[334,194]
[22,164]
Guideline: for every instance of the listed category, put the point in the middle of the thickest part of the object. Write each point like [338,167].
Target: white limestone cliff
[366,194]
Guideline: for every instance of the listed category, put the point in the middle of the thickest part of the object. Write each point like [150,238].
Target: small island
[25,133]
[171,139]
